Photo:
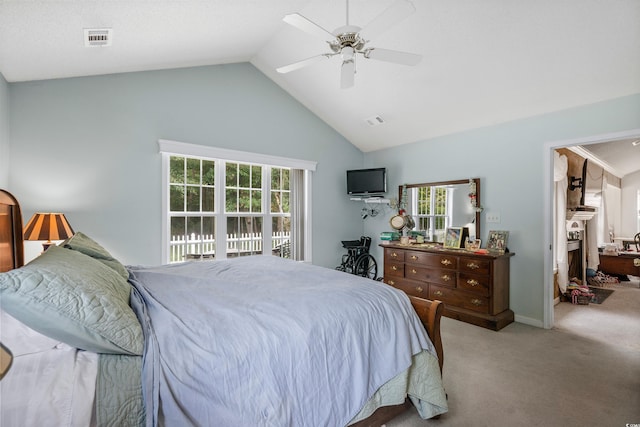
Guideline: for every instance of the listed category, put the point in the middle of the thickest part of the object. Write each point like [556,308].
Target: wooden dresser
[620,264]
[473,287]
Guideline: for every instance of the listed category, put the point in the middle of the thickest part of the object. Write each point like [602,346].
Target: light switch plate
[493,217]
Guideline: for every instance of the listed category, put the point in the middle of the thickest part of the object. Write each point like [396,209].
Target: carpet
[600,294]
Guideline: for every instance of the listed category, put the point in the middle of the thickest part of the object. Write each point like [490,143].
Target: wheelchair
[358,260]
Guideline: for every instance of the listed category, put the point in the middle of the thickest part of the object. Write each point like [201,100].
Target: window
[243,210]
[191,207]
[432,207]
[234,206]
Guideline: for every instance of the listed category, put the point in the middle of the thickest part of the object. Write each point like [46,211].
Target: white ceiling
[620,157]
[484,62]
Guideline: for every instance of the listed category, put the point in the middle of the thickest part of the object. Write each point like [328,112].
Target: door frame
[547,196]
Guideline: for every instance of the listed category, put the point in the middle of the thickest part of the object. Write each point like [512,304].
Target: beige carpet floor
[584,372]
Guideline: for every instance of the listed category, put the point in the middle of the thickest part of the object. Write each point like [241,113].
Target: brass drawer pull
[414,271]
[473,265]
[394,255]
[438,293]
[394,268]
[414,257]
[476,302]
[445,277]
[419,288]
[391,282]
[445,261]
[473,282]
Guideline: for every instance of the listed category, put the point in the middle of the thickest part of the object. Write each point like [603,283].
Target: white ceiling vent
[97,37]
[374,121]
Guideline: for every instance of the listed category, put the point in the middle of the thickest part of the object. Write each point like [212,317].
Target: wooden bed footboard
[430,313]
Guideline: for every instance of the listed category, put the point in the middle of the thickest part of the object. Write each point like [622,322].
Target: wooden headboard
[11,239]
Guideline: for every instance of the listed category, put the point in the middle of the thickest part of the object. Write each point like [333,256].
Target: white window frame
[170,148]
[432,202]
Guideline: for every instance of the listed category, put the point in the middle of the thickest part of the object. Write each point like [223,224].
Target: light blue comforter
[262,341]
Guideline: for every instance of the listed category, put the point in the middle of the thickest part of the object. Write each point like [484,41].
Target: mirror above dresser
[435,206]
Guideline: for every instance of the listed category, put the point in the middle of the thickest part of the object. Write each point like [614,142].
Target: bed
[249,341]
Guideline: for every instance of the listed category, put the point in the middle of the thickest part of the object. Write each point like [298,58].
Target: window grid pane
[281,236]
[244,188]
[432,211]
[192,216]
[192,237]
[193,171]
[280,190]
[244,236]
[176,198]
[176,170]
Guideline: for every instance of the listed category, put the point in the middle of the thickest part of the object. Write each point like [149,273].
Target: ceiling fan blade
[304,63]
[395,13]
[394,56]
[347,74]
[304,24]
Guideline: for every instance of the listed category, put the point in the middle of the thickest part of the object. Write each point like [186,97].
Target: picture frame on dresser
[453,237]
[473,244]
[498,241]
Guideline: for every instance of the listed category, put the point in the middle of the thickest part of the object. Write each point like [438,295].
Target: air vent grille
[374,121]
[96,37]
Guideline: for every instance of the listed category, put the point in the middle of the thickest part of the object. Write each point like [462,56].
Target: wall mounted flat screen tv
[367,181]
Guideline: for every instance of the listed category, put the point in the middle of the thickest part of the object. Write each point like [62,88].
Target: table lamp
[6,358]
[48,226]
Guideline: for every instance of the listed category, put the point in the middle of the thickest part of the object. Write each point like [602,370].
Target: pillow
[82,243]
[21,339]
[74,298]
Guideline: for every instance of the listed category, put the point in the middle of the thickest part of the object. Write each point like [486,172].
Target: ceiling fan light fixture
[347,53]
[636,142]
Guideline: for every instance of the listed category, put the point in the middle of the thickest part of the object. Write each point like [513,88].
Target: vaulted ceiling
[484,62]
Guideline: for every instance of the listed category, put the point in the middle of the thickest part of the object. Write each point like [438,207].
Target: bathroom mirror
[435,206]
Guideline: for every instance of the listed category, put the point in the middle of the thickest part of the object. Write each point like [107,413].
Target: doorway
[548,194]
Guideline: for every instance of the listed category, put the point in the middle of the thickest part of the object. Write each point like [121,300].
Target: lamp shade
[48,226]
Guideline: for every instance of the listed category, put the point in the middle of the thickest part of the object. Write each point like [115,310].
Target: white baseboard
[529,321]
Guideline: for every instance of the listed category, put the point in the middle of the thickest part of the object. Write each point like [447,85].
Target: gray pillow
[82,243]
[74,298]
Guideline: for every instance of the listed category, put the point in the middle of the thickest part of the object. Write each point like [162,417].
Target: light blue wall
[509,160]
[4,133]
[88,147]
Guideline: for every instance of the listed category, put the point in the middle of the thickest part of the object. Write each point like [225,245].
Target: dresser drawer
[474,283]
[442,261]
[391,254]
[459,298]
[417,289]
[474,265]
[417,257]
[432,275]
[393,268]
[432,260]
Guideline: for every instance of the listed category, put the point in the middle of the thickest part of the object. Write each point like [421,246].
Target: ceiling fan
[349,41]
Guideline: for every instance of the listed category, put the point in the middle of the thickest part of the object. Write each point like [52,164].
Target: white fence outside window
[203,246]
